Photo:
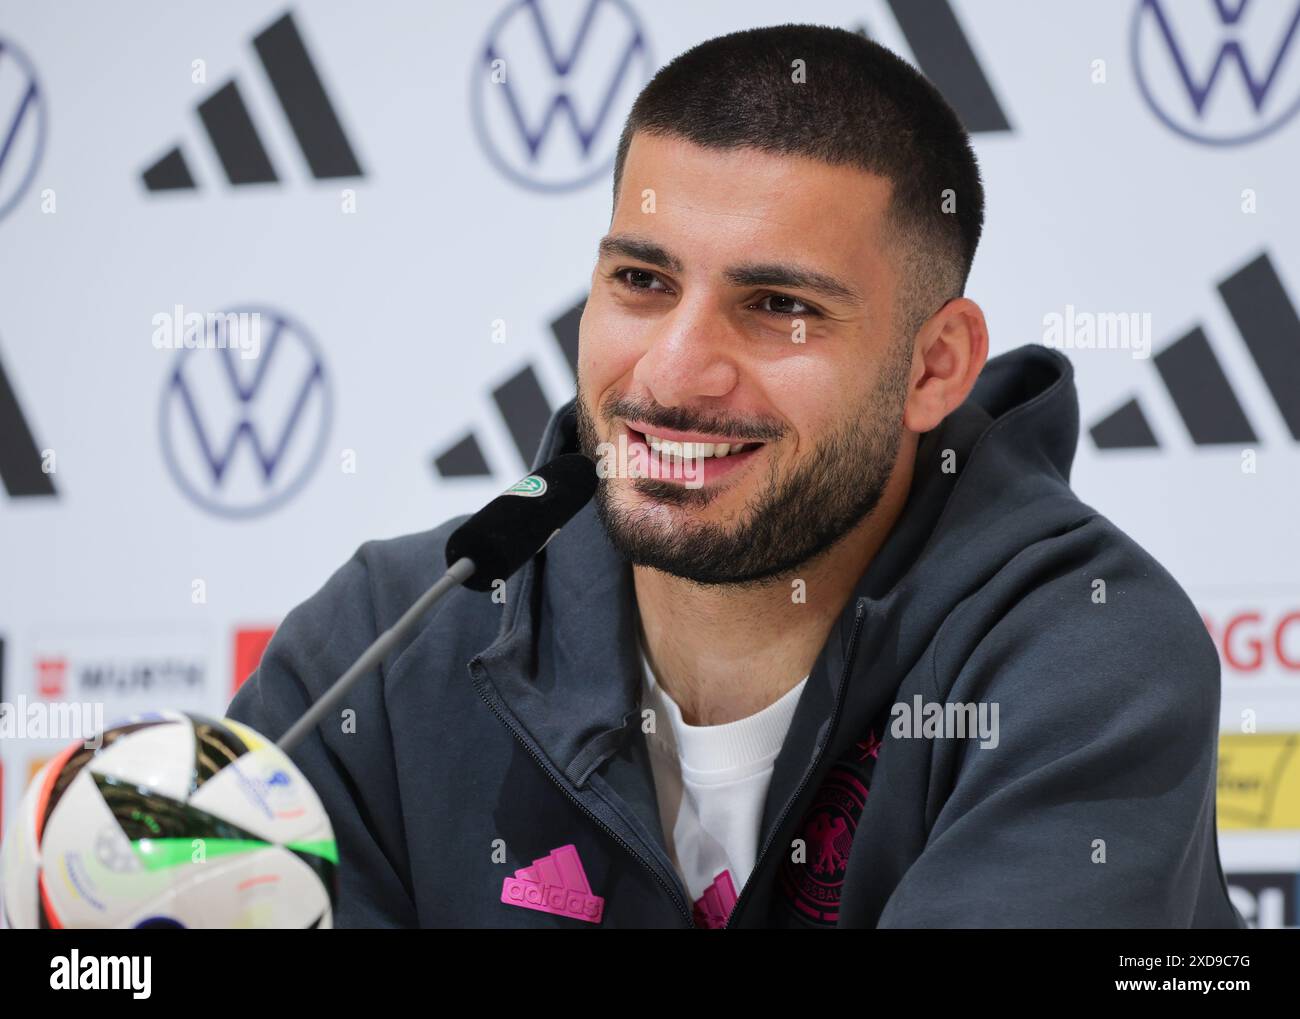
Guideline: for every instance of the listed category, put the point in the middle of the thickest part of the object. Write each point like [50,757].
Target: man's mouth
[684,456]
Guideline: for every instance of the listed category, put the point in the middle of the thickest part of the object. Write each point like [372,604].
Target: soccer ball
[172,820]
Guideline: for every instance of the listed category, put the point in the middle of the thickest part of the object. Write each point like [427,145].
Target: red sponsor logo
[1252,640]
[250,642]
[51,677]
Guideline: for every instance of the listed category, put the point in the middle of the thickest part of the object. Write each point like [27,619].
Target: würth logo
[1195,380]
[238,144]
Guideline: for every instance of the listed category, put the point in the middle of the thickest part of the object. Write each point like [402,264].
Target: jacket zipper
[558,779]
[812,770]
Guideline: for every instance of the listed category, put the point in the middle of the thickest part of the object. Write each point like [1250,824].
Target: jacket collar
[565,658]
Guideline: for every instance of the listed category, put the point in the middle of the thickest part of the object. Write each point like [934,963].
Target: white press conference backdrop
[417,238]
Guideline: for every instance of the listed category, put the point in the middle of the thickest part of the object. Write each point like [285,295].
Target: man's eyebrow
[749,274]
[641,249]
[779,274]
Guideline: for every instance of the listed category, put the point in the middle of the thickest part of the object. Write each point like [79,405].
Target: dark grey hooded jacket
[502,742]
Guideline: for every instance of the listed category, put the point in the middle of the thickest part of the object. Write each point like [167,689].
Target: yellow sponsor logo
[1259,781]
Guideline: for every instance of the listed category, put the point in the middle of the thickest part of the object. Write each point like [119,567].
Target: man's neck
[725,652]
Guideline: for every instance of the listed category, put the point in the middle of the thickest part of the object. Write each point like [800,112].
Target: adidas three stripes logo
[1195,380]
[230,128]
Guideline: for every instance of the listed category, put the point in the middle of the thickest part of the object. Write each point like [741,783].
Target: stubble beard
[785,524]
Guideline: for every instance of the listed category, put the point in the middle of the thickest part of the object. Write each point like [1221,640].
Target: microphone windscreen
[514,526]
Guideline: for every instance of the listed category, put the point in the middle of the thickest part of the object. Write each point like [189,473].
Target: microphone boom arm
[457,574]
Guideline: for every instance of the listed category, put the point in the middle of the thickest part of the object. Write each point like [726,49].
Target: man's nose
[692,354]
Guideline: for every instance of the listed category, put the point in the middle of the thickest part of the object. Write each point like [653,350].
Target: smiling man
[840,647]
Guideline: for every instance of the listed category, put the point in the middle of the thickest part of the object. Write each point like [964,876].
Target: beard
[788,521]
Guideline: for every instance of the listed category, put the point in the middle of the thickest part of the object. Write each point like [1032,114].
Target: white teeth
[691,450]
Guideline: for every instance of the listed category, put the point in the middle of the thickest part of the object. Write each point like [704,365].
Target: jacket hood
[991,479]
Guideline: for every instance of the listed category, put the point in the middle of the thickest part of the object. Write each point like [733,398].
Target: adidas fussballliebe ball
[170,820]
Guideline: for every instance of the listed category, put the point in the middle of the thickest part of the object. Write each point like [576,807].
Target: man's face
[741,297]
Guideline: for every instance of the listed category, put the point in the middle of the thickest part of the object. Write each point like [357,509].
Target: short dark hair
[860,105]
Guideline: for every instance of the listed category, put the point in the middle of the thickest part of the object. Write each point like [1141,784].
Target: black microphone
[490,545]
[518,523]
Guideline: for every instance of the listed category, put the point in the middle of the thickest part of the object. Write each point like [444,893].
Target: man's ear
[947,357]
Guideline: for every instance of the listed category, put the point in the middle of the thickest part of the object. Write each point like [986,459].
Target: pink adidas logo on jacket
[555,884]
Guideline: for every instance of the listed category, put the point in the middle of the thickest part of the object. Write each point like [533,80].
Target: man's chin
[666,539]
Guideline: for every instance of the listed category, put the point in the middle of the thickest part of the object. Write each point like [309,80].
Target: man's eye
[784,304]
[638,279]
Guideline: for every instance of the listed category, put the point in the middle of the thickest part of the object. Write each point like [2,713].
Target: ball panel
[215,747]
[265,793]
[159,757]
[149,817]
[72,759]
[263,888]
[92,875]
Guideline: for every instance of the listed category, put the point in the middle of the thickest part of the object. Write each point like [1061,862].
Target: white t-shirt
[711,782]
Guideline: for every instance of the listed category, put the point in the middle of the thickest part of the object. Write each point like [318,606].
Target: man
[841,647]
